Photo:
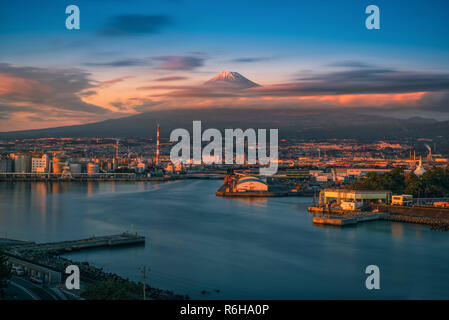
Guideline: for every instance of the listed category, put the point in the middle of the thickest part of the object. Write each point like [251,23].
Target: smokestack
[157,146]
[116,149]
[429,155]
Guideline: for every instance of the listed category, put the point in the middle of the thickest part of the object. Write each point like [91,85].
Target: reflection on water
[397,229]
[256,201]
[246,248]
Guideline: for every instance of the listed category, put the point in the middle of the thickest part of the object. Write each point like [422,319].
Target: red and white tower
[157,146]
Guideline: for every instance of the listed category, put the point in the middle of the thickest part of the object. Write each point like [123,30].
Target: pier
[76,245]
[345,220]
[44,260]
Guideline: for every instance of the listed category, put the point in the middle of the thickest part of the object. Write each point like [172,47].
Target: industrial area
[341,207]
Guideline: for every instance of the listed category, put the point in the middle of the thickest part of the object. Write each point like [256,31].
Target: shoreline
[109,179]
[35,257]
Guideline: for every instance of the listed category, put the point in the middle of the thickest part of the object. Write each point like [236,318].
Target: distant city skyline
[132,57]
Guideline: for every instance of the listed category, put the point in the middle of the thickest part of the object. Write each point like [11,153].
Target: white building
[40,165]
[420,169]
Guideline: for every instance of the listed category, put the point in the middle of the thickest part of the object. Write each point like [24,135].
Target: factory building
[339,196]
[22,163]
[75,168]
[40,165]
[6,165]
[59,164]
[92,168]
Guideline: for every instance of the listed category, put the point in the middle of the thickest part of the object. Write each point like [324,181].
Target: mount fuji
[230,80]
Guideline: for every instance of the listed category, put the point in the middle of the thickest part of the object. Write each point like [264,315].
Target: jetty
[76,245]
[344,220]
[45,260]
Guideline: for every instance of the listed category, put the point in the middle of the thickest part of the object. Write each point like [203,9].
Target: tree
[433,183]
[393,180]
[5,272]
[112,290]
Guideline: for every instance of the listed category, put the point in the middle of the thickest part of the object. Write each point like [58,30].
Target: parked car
[36,279]
[18,271]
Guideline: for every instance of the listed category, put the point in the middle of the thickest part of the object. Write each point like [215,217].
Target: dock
[274,192]
[45,260]
[77,245]
[345,220]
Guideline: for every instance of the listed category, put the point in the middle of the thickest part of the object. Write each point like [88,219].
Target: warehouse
[251,183]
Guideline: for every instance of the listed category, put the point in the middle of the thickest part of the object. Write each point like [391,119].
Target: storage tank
[75,168]
[92,168]
[58,164]
[22,164]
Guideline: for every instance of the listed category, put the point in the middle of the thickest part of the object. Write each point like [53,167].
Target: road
[23,289]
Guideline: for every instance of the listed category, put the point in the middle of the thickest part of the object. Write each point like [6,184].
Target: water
[247,249]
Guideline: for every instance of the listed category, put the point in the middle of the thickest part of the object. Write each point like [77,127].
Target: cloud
[46,88]
[350,64]
[119,63]
[6,110]
[136,104]
[135,24]
[357,85]
[171,78]
[108,83]
[147,105]
[251,59]
[87,93]
[436,101]
[361,81]
[178,62]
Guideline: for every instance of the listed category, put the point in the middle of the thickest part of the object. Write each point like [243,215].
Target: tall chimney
[157,146]
[116,148]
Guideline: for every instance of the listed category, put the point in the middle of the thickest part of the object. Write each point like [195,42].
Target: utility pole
[144,281]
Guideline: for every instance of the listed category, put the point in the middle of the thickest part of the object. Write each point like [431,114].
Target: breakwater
[434,224]
[415,211]
[76,245]
[47,255]
[435,218]
[348,219]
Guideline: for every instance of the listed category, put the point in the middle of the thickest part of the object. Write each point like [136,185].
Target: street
[21,288]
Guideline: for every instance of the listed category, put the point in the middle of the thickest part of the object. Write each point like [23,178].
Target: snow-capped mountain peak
[231,79]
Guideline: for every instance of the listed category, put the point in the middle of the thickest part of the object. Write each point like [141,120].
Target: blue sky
[413,33]
[270,42]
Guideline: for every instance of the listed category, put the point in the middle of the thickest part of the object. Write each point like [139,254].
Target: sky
[141,55]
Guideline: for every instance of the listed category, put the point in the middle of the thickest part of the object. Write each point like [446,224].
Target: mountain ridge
[292,123]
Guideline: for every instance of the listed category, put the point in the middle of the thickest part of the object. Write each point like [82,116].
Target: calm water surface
[247,249]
